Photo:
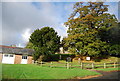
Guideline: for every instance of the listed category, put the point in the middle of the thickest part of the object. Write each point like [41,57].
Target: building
[15,55]
[62,51]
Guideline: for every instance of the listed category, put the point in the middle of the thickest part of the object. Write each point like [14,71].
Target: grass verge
[109,69]
[29,71]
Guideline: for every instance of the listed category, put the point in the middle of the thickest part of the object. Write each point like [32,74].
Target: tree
[114,50]
[30,45]
[45,42]
[114,40]
[88,25]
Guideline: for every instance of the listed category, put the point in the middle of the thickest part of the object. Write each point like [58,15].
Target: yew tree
[44,41]
[88,28]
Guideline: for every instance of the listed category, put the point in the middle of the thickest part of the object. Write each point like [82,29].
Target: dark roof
[15,50]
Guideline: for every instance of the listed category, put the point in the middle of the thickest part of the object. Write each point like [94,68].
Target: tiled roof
[8,46]
[15,50]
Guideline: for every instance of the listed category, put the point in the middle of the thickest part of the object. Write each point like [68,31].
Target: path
[108,75]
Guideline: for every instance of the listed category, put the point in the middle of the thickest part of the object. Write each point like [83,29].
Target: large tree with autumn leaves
[88,29]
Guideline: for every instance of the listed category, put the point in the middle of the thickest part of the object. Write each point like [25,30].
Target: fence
[81,65]
[102,65]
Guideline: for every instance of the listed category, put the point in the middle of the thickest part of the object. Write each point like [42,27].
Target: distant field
[29,71]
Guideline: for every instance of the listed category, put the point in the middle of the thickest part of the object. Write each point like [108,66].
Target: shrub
[56,57]
[97,60]
[64,56]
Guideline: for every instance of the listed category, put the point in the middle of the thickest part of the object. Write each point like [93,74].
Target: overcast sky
[20,19]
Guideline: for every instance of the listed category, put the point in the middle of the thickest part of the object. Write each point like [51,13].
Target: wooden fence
[81,65]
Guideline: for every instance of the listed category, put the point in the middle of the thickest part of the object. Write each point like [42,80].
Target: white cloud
[59,0]
[21,19]
[62,31]
[65,28]
[0,24]
[19,45]
[26,35]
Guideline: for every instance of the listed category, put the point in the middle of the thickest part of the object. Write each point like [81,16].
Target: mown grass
[110,59]
[110,69]
[76,64]
[0,71]
[29,71]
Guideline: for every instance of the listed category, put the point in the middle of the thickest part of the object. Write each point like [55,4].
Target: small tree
[45,42]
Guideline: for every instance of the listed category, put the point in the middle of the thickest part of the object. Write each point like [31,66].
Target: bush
[52,57]
[64,56]
[97,60]
[56,57]
[46,58]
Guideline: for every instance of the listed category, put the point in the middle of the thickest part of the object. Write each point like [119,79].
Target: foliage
[30,46]
[88,29]
[112,37]
[52,57]
[65,56]
[114,40]
[114,50]
[45,41]
[57,57]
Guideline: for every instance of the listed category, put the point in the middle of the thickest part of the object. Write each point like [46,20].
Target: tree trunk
[40,58]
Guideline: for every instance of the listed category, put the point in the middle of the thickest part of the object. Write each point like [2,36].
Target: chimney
[13,45]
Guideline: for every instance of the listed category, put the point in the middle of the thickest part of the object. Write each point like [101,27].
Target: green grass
[109,69]
[109,60]
[0,71]
[29,71]
[59,71]
[74,64]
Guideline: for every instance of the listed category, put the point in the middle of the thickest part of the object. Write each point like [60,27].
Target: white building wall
[8,58]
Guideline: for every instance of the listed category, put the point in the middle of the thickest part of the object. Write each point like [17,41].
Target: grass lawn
[110,69]
[29,71]
[108,60]
[0,71]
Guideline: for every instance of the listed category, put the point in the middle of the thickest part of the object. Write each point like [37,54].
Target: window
[24,57]
[11,55]
[6,55]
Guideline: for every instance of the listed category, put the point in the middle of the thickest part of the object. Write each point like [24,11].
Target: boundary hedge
[57,57]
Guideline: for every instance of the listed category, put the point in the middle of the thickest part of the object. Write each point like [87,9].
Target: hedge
[56,57]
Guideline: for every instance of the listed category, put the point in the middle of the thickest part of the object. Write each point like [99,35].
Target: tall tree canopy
[45,41]
[88,29]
